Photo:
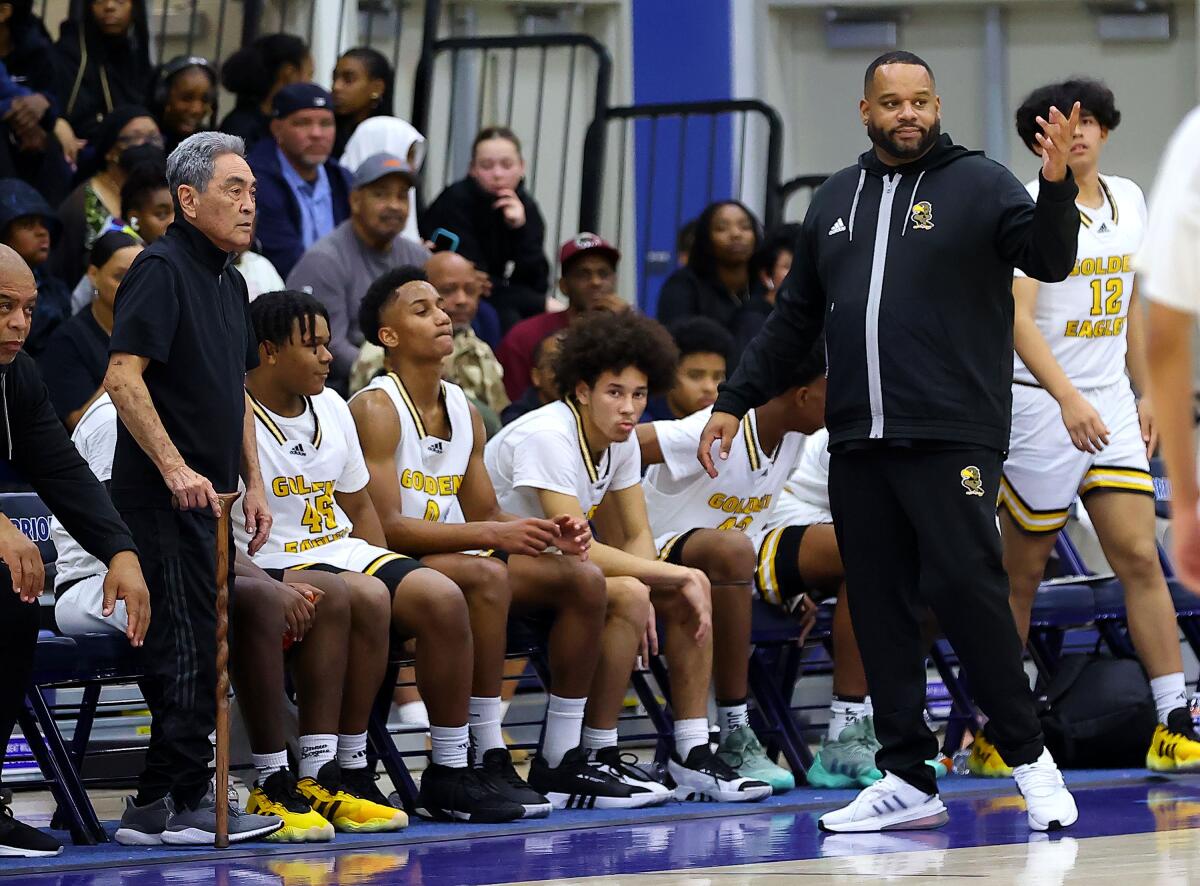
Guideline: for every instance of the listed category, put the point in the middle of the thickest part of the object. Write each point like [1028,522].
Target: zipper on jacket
[874,294]
[4,400]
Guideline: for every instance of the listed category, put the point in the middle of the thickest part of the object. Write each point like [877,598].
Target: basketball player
[423,442]
[316,480]
[690,514]
[578,457]
[1078,428]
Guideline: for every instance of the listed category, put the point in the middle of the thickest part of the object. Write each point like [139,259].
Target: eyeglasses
[130,141]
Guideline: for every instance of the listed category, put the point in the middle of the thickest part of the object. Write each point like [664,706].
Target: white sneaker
[705,777]
[1047,800]
[891,804]
[626,768]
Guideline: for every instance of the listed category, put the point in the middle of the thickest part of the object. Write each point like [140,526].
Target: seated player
[324,520]
[578,457]
[1078,427]
[704,349]
[542,389]
[690,514]
[423,443]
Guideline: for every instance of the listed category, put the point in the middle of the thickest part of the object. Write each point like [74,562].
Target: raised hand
[1055,139]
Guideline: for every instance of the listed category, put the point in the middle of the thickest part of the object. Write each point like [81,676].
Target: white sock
[315,752]
[843,713]
[732,717]
[1170,692]
[690,734]
[485,726]
[598,739]
[504,705]
[413,713]
[564,722]
[268,764]
[352,751]
[450,745]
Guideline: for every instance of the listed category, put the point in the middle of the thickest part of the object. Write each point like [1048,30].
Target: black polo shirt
[74,362]
[184,306]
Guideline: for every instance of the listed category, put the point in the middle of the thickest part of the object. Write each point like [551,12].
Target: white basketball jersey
[430,468]
[304,461]
[680,496]
[1084,317]
[96,439]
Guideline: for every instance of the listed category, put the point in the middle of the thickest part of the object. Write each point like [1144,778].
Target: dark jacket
[686,294]
[20,200]
[34,442]
[31,61]
[909,271]
[465,209]
[249,122]
[280,230]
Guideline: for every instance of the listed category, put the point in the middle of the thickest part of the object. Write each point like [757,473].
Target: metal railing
[803,186]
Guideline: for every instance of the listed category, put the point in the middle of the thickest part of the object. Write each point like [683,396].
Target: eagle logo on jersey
[922,216]
[971,480]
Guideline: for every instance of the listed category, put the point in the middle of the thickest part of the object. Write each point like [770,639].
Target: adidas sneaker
[626,767]
[891,804]
[580,783]
[705,777]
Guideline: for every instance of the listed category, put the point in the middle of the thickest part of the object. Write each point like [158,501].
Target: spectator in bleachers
[28,226]
[499,225]
[471,365]
[74,361]
[542,387]
[589,279]
[716,281]
[254,74]
[773,259]
[302,193]
[362,88]
[146,204]
[183,97]
[28,146]
[684,241]
[339,267]
[104,54]
[26,49]
[389,135]
[258,272]
[38,447]
[704,347]
[128,139]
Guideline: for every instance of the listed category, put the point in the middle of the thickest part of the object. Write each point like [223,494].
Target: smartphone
[444,241]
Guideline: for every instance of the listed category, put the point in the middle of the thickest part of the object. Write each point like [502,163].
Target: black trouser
[915,529]
[18,639]
[178,554]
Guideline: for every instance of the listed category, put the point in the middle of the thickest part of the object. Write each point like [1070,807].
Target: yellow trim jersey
[430,469]
[1083,318]
[680,496]
[547,449]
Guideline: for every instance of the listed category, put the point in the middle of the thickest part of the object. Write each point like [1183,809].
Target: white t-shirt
[680,496]
[1169,263]
[304,461]
[96,439]
[546,449]
[1083,318]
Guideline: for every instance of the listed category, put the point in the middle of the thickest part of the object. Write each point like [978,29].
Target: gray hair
[194,160]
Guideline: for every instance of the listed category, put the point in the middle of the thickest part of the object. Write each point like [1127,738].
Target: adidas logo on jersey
[1103,229]
[298,449]
[838,227]
[436,447]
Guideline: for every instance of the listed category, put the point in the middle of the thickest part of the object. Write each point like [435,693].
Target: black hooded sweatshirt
[36,444]
[908,270]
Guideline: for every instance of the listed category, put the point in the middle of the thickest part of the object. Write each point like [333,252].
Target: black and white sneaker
[629,770]
[580,783]
[18,839]
[705,777]
[452,794]
[498,773]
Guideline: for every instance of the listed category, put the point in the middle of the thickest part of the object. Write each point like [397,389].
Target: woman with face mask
[104,59]
[129,138]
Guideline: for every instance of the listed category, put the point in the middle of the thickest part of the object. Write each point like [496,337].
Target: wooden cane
[222,786]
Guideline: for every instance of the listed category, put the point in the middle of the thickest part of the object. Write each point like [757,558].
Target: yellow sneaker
[985,761]
[351,800]
[278,796]
[1174,747]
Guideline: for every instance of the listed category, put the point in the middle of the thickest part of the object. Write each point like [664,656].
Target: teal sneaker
[848,762]
[742,750]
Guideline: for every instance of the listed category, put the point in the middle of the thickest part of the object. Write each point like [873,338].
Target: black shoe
[580,783]
[451,794]
[20,840]
[498,774]
[1179,722]
[364,784]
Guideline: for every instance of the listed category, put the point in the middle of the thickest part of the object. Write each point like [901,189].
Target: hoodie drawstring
[912,199]
[862,177]
[4,403]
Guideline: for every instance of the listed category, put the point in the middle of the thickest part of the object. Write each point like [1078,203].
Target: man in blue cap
[302,193]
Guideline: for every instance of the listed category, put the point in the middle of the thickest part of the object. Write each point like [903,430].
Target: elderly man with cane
[905,260]
[181,345]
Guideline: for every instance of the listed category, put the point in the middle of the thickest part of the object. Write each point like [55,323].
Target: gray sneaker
[144,825]
[198,827]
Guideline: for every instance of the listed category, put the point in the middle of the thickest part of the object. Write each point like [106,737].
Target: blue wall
[681,52]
